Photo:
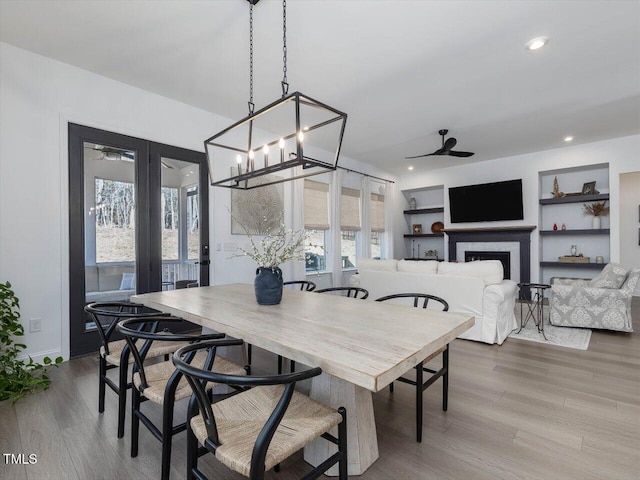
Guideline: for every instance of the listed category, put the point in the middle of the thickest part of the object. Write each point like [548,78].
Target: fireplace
[504,257]
[518,235]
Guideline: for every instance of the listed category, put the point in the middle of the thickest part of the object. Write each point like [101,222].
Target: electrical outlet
[35,325]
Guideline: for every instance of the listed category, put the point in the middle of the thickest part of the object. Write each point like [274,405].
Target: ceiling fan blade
[420,156]
[460,154]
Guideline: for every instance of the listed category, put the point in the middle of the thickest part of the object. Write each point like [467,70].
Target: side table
[535,305]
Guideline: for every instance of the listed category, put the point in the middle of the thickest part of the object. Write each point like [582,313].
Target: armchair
[598,303]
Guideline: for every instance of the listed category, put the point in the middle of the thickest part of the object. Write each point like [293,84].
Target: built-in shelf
[589,231]
[574,199]
[595,266]
[424,210]
[423,235]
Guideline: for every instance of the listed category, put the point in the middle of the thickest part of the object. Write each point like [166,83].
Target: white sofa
[475,288]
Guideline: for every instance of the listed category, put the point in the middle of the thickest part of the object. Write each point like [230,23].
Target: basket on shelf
[576,259]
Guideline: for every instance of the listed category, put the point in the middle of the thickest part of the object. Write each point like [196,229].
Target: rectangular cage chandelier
[293,137]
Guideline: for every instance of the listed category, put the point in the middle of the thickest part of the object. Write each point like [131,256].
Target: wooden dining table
[361,346]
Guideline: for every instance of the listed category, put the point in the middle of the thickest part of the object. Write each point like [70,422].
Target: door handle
[204,262]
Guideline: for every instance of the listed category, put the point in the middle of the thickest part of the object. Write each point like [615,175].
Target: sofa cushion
[128,281]
[380,265]
[110,276]
[491,271]
[91,278]
[613,276]
[429,266]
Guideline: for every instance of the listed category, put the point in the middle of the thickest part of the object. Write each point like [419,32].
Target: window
[349,226]
[170,221]
[115,221]
[193,223]
[376,244]
[316,223]
[377,224]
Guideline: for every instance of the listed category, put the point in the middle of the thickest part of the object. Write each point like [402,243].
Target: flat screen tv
[487,202]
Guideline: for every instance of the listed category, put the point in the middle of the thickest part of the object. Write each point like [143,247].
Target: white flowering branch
[277,248]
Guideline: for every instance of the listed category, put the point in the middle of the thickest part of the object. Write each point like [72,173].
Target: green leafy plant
[17,377]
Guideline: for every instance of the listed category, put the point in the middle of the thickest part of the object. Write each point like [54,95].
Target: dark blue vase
[268,286]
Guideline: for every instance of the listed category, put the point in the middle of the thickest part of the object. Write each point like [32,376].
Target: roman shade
[377,212]
[316,205]
[350,210]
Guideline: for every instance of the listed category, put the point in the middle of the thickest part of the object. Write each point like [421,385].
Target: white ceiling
[402,70]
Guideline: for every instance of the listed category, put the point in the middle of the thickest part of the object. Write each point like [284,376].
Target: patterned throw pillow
[612,276]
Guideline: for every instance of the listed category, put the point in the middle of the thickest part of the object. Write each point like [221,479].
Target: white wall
[38,97]
[622,155]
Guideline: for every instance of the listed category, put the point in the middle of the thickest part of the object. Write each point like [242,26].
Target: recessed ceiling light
[537,43]
[410,167]
[568,138]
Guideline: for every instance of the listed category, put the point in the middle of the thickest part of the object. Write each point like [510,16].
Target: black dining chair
[180,284]
[160,382]
[349,292]
[258,428]
[305,286]
[421,384]
[116,353]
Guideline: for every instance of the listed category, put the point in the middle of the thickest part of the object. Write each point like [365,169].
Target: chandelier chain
[251,105]
[285,85]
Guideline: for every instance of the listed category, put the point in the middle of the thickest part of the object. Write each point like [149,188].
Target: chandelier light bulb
[251,154]
[281,145]
[238,159]
[568,138]
[265,150]
[300,136]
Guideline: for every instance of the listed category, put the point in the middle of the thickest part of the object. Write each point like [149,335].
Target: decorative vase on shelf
[412,204]
[574,250]
[596,223]
[555,226]
[268,285]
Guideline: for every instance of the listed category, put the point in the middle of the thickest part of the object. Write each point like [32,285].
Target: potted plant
[269,253]
[18,377]
[597,210]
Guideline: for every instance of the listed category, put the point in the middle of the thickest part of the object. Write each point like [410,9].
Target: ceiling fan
[446,148]
[112,153]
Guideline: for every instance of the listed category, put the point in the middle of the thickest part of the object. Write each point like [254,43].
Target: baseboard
[38,357]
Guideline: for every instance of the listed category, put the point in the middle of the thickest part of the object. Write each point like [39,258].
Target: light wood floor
[522,410]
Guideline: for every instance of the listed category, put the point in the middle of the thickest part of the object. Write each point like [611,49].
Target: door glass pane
[193,223]
[109,215]
[180,224]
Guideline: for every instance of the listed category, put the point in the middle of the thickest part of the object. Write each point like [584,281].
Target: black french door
[138,222]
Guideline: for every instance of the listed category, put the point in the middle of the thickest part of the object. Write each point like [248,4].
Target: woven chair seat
[240,418]
[157,350]
[158,376]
